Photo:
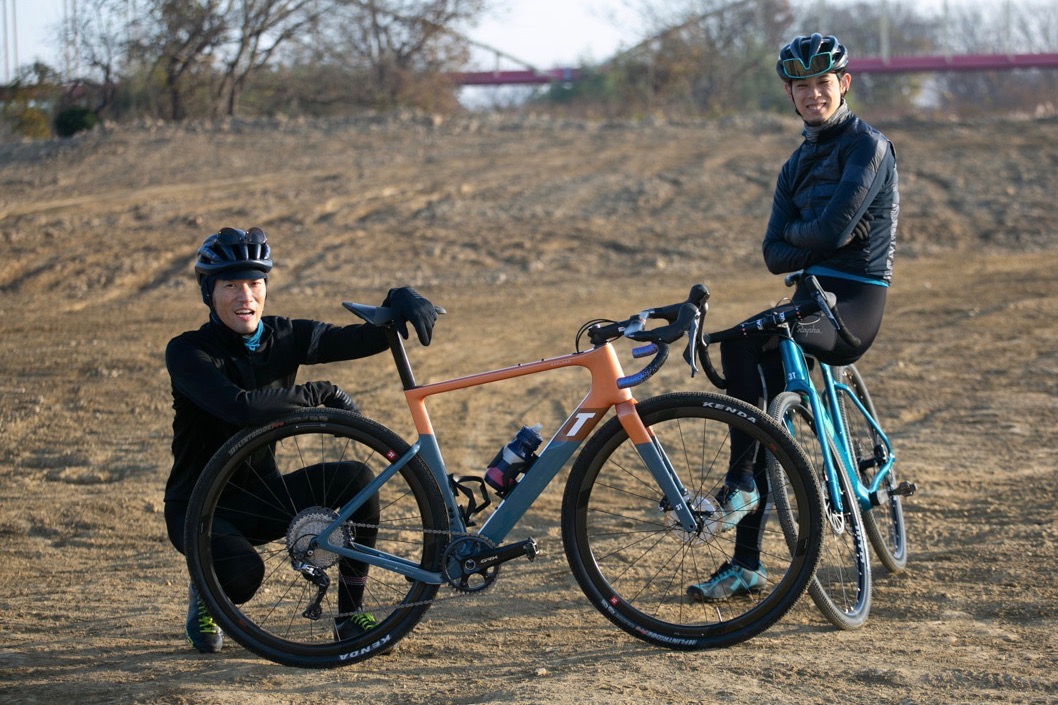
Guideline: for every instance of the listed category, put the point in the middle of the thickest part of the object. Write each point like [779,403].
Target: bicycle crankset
[471,563]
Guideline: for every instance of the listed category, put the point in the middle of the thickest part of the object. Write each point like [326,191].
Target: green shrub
[25,121]
[74,119]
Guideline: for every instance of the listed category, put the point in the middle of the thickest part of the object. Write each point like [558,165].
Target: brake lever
[668,333]
[823,299]
[689,353]
[827,303]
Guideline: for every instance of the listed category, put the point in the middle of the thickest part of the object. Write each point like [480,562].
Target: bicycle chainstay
[453,536]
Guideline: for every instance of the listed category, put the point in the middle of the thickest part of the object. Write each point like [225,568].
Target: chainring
[460,569]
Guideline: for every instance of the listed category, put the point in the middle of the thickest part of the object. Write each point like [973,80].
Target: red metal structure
[895,64]
[522,77]
[968,62]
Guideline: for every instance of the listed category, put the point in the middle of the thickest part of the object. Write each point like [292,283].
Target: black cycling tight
[259,516]
[753,367]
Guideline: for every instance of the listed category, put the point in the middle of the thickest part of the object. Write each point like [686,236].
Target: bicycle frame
[830,426]
[608,390]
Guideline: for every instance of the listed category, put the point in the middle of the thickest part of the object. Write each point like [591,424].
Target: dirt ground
[523,228]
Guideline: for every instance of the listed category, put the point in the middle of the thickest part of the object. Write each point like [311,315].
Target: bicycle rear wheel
[267,494]
[884,523]
[841,587]
[634,561]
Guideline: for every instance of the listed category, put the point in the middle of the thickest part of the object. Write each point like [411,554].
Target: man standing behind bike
[238,370]
[834,215]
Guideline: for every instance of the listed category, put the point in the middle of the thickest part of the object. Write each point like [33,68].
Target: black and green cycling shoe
[353,626]
[202,632]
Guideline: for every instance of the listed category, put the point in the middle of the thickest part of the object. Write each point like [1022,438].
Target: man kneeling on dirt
[238,371]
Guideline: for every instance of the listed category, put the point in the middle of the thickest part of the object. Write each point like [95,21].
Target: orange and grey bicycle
[639,522]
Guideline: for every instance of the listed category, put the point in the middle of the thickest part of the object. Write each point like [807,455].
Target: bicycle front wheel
[841,587]
[635,562]
[885,522]
[252,545]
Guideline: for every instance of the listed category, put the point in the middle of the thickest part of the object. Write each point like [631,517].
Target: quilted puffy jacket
[836,176]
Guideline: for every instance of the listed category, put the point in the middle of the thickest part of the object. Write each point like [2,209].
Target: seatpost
[400,357]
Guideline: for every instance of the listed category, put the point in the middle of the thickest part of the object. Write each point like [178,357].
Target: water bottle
[513,459]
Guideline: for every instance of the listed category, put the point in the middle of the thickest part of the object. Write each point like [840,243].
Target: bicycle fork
[676,498]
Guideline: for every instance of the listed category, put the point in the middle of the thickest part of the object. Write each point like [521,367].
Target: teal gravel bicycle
[835,423]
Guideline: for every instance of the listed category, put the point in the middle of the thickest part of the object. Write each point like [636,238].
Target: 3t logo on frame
[580,424]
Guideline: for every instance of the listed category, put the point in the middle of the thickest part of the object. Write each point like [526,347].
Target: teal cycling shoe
[730,580]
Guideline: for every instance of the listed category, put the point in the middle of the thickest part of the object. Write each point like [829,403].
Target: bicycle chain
[452,536]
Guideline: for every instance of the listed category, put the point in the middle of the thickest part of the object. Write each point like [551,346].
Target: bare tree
[704,55]
[98,40]
[1006,29]
[394,42]
[259,28]
[183,36]
[859,26]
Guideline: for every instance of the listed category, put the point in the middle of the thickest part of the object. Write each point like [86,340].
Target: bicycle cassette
[306,526]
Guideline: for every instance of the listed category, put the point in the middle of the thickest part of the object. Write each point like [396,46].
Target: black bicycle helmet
[805,57]
[232,254]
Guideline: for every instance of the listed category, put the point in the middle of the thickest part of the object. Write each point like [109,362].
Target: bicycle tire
[884,523]
[412,524]
[841,587]
[634,563]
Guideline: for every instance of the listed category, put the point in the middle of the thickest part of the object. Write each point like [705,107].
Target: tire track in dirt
[523,233]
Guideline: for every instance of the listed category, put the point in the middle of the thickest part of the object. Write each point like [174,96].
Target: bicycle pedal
[532,550]
[904,489]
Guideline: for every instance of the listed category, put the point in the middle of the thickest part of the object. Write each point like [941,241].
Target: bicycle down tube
[605,393]
[828,431]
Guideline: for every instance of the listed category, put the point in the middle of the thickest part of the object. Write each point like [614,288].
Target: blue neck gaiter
[252,342]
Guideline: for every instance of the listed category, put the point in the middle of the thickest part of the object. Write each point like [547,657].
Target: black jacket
[836,176]
[220,387]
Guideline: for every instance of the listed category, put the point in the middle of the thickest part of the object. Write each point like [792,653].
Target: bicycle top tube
[609,385]
[601,362]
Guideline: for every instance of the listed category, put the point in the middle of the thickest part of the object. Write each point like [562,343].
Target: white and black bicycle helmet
[805,57]
[232,254]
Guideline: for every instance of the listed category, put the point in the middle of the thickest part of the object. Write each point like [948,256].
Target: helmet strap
[206,284]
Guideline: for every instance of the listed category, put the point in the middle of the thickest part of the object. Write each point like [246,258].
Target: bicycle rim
[635,564]
[884,523]
[258,488]
[841,587]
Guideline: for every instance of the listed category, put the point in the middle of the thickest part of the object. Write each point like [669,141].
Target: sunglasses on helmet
[818,65]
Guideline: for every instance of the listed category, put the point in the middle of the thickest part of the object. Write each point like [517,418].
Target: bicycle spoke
[632,556]
[259,509]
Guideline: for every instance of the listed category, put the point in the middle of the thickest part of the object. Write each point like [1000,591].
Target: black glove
[862,231]
[333,397]
[411,307]
[341,400]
